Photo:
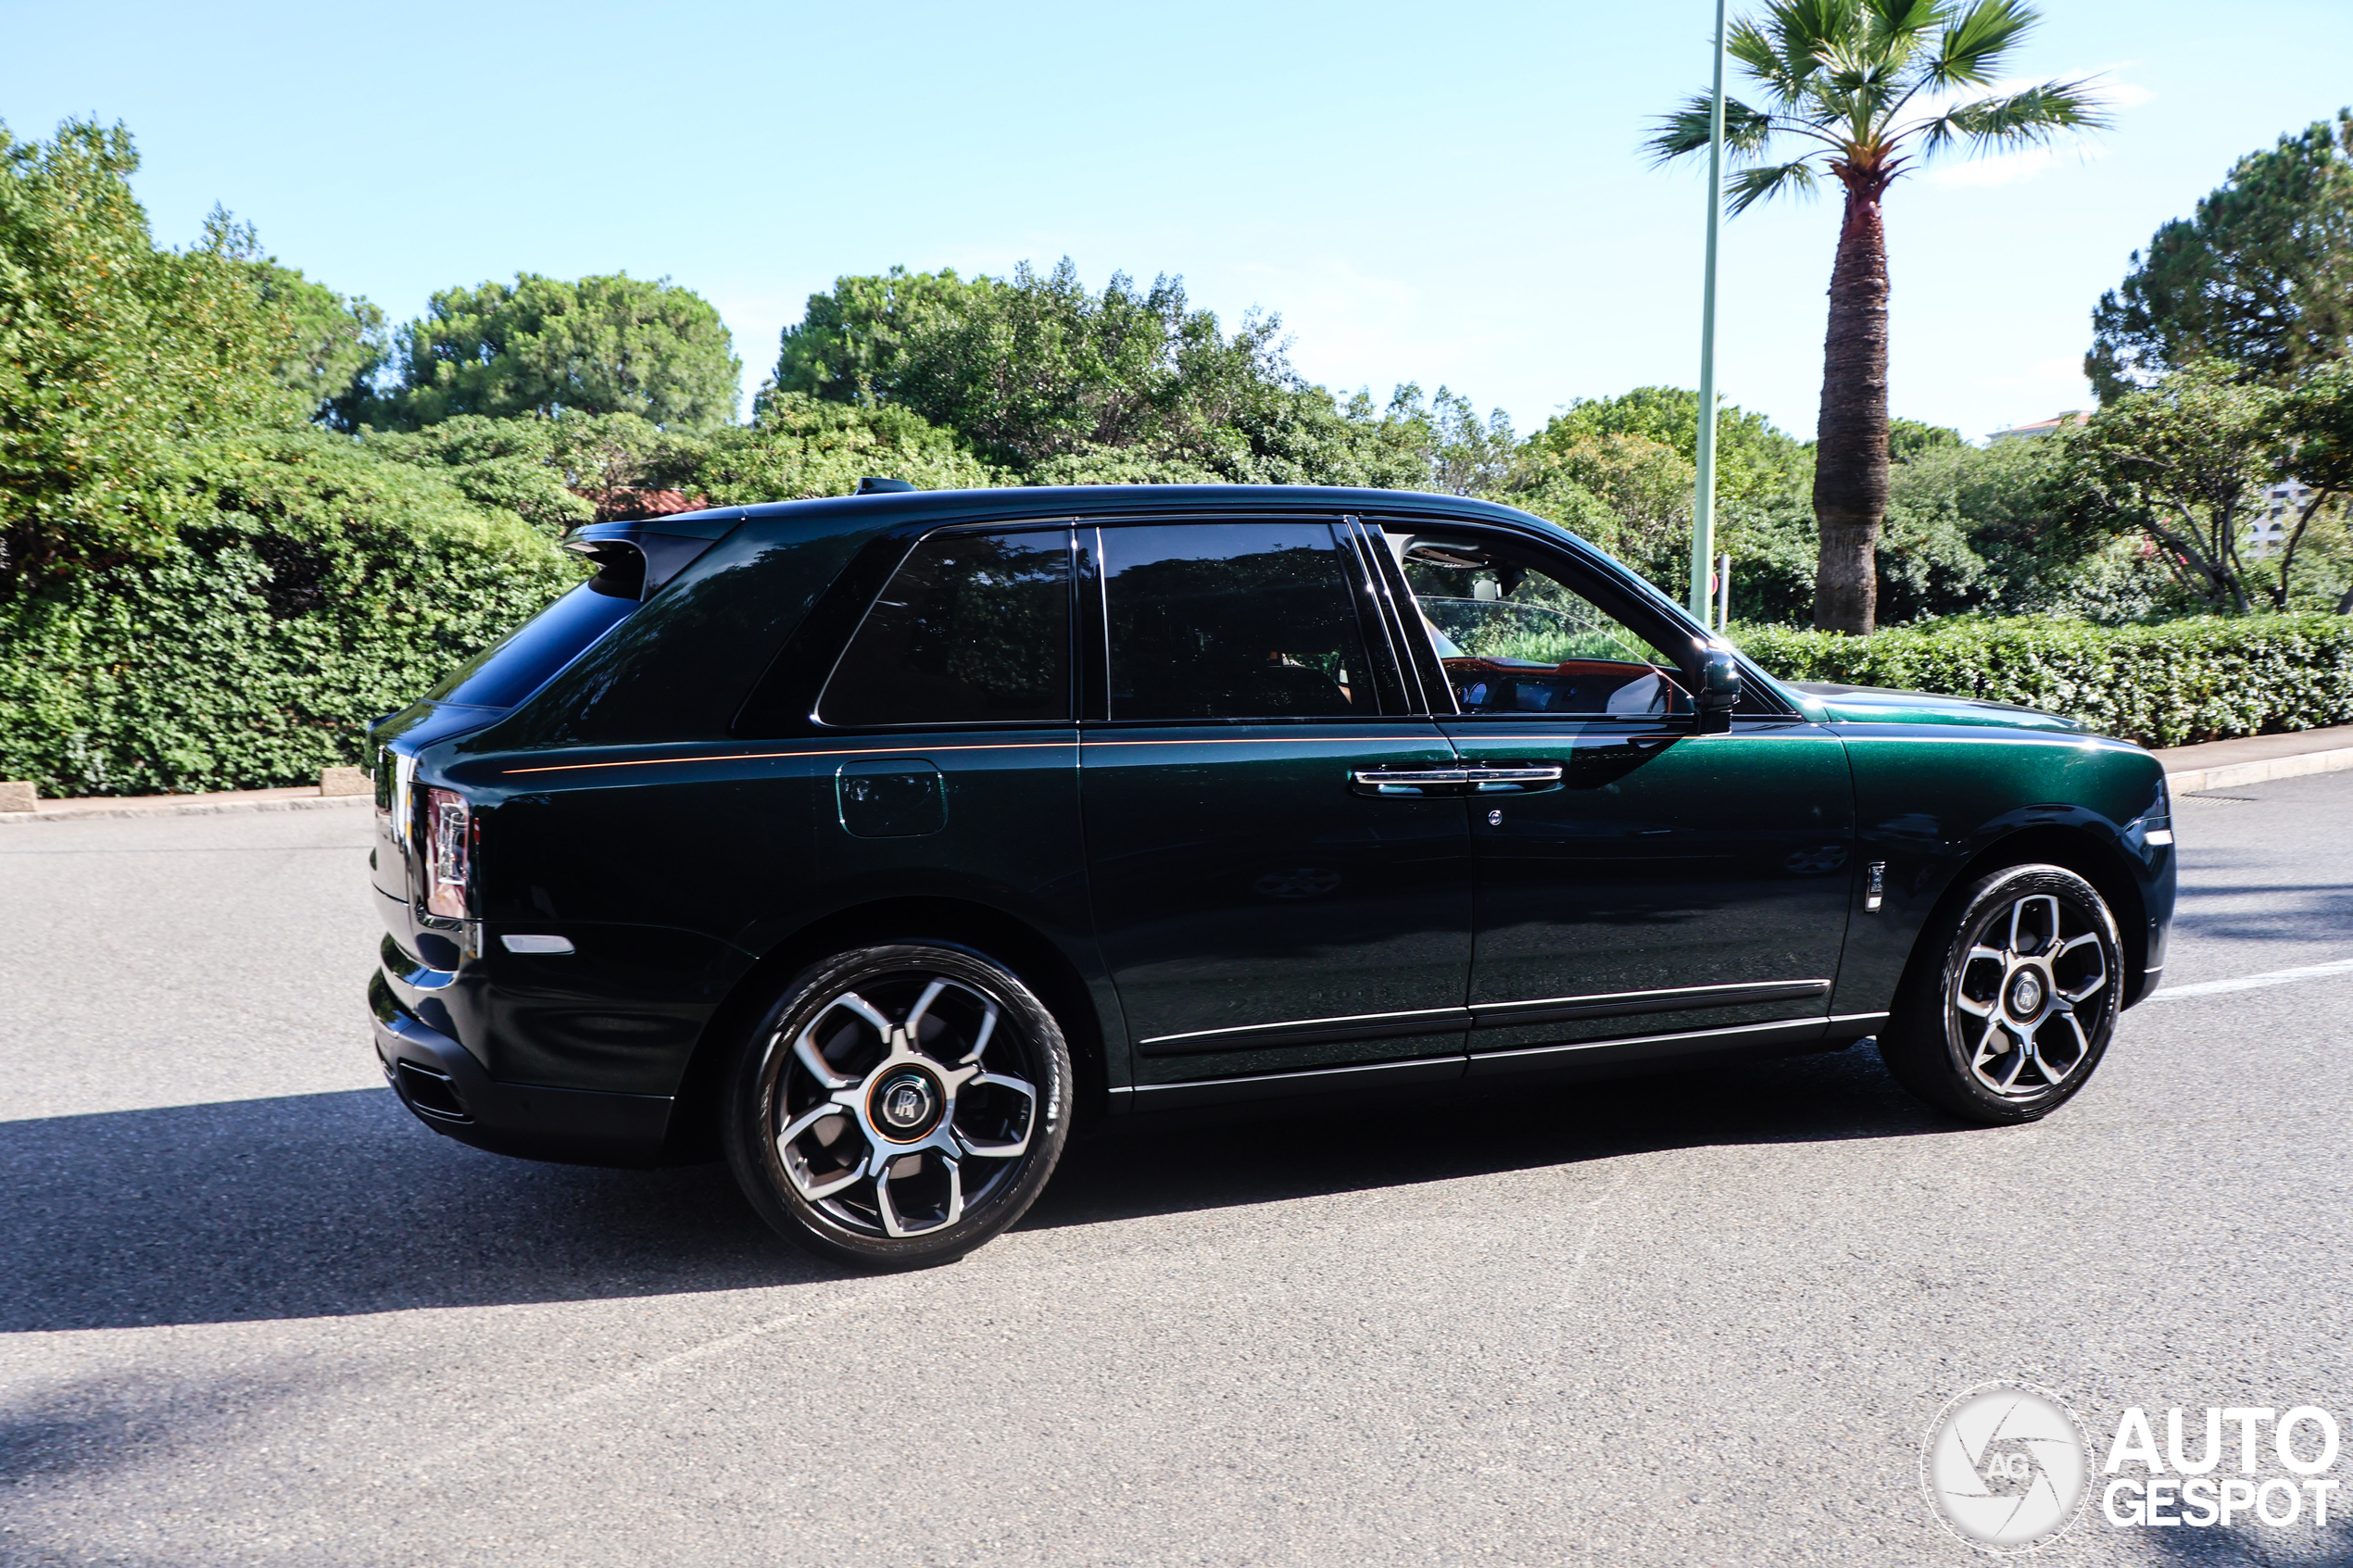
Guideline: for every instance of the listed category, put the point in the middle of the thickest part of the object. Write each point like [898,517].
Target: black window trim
[1395,689]
[1412,647]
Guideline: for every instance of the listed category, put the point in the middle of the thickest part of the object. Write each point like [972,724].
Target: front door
[1670,880]
[1270,894]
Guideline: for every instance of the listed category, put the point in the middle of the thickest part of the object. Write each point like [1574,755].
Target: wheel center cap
[2026,995]
[905,1105]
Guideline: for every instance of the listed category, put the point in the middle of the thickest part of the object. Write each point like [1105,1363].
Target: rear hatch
[634,560]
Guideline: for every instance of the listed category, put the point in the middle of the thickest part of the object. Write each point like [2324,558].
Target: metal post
[1704,497]
[1724,592]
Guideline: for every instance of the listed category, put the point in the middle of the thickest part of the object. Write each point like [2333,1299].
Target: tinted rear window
[511,671]
[1232,621]
[970,629]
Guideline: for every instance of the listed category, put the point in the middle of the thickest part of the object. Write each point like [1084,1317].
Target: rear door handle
[1455,780]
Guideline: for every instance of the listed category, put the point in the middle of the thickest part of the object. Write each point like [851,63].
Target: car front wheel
[2012,1002]
[898,1104]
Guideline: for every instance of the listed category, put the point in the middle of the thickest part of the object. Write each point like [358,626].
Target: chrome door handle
[1513,781]
[1453,781]
[1408,781]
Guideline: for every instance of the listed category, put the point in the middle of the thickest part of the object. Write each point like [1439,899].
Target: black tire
[2010,1003]
[900,1103]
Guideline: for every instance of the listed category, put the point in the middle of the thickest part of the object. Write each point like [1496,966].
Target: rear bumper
[447,1089]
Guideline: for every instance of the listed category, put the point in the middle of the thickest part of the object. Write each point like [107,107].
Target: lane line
[553,1408]
[1601,1210]
[2252,981]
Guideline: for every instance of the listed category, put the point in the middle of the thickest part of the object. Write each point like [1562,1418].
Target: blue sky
[1440,195]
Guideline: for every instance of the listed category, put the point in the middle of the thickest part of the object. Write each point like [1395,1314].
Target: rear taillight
[450,852]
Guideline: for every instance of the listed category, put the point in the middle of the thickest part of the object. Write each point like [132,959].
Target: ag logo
[2005,1467]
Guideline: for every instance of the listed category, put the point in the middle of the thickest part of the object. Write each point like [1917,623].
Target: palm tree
[1867,89]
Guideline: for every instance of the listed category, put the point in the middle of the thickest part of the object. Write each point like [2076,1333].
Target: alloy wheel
[2031,994]
[905,1104]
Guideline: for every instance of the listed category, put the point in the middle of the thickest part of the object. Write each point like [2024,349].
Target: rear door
[1274,890]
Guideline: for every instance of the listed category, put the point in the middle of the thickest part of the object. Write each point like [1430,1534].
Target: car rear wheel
[898,1104]
[2012,1002]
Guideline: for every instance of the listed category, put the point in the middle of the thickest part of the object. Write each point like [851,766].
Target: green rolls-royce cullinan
[870,840]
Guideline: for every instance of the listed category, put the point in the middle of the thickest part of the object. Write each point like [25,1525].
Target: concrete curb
[193,805]
[2261,772]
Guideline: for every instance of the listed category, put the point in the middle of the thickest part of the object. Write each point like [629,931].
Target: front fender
[1934,803]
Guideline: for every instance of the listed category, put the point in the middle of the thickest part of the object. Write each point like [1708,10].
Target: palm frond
[1747,44]
[1897,26]
[1753,185]
[1975,42]
[1747,130]
[1686,130]
[1803,29]
[2034,118]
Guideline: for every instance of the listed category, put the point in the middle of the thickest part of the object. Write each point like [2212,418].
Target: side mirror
[1719,690]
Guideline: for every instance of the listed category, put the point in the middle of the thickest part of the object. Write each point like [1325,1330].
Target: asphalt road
[251,1312]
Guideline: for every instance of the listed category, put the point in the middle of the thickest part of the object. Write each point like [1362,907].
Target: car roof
[896,507]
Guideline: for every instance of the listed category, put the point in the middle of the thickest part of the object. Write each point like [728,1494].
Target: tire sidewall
[748,1109]
[1962,1091]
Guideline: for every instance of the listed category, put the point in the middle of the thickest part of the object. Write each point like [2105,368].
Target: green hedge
[2169,685]
[319,588]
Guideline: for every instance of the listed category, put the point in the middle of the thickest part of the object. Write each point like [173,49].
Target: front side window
[970,629]
[1232,621]
[1516,639]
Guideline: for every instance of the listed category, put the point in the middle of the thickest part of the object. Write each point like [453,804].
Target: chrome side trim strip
[1837,1019]
[1544,1010]
[1612,1004]
[1416,1021]
[1205,1091]
[1793,1031]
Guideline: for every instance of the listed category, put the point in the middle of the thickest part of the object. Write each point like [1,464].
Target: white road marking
[2252,981]
[636,1375]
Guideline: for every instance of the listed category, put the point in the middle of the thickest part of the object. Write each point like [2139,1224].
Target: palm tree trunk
[1850,451]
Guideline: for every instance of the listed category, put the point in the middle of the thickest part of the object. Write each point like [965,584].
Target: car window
[970,628]
[1232,621]
[501,676]
[1516,639]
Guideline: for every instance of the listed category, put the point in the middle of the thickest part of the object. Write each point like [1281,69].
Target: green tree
[1866,89]
[2260,276]
[800,447]
[2185,461]
[1753,456]
[2316,446]
[2003,529]
[1048,379]
[601,345]
[847,346]
[1908,439]
[113,355]
[333,345]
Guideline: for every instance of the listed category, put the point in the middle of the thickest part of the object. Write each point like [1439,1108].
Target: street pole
[1704,495]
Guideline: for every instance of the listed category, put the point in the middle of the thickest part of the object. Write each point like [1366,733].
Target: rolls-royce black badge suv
[868,839]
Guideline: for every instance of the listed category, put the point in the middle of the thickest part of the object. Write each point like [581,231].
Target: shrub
[316,588]
[2169,685]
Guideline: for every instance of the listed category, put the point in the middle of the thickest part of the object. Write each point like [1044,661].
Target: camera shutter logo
[2006,1466]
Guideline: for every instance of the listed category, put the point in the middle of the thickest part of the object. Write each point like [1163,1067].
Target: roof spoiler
[637,558]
